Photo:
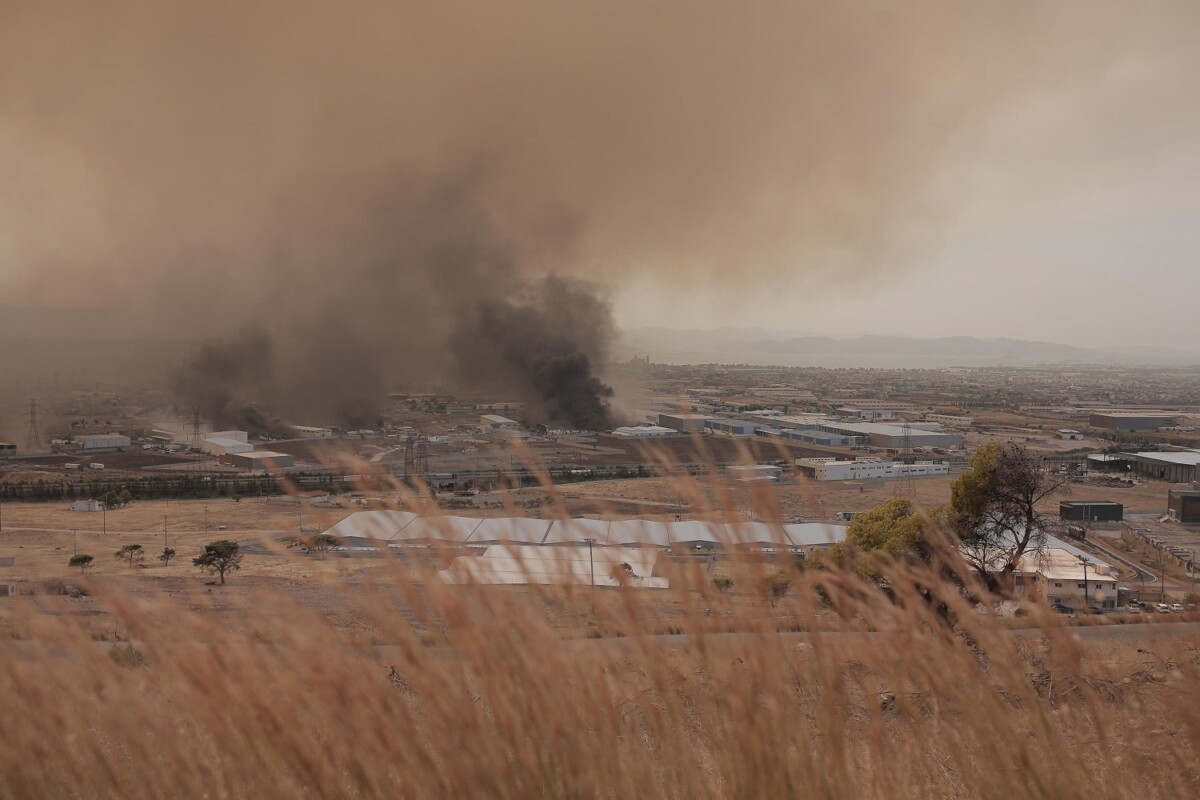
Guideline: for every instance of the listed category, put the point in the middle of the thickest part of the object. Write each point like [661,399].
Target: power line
[33,436]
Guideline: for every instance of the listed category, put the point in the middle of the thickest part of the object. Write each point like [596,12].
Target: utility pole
[164,531]
[1162,581]
[1087,595]
[592,570]
[74,542]
[205,522]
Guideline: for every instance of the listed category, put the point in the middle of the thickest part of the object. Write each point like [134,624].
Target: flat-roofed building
[951,420]
[261,460]
[312,432]
[684,423]
[1132,421]
[824,469]
[894,436]
[823,438]
[1184,504]
[1091,511]
[754,473]
[102,441]
[731,427]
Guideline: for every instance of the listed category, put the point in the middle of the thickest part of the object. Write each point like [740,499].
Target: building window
[1081,585]
[1058,585]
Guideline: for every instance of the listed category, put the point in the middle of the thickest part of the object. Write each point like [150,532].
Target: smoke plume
[549,338]
[381,186]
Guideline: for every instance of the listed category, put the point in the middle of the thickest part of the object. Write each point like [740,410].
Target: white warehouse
[102,441]
[223,443]
[830,469]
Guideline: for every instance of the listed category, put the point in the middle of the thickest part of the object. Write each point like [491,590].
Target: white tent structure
[556,566]
[401,528]
[578,551]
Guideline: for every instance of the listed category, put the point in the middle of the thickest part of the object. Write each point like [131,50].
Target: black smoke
[544,343]
[220,379]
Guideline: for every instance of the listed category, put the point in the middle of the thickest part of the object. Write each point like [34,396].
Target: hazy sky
[935,167]
[1074,216]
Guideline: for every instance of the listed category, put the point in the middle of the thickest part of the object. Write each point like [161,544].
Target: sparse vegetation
[81,560]
[131,553]
[220,557]
[321,543]
[166,555]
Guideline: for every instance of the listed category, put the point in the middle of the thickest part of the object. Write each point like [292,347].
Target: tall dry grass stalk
[394,685]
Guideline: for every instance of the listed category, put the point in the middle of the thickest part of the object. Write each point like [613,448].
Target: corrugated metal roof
[403,526]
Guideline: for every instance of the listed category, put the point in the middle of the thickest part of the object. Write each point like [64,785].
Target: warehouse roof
[883,429]
[1188,458]
[401,526]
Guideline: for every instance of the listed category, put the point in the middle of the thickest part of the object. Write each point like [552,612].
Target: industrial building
[1184,504]
[894,436]
[684,423]
[831,469]
[491,408]
[1060,575]
[310,432]
[1173,467]
[731,427]
[823,438]
[1106,462]
[261,460]
[1069,435]
[951,420]
[102,441]
[494,422]
[866,413]
[643,431]
[1132,421]
[7,449]
[223,443]
[781,393]
[404,528]
[1091,511]
[754,473]
[801,422]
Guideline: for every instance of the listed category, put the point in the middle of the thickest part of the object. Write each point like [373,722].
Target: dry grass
[257,690]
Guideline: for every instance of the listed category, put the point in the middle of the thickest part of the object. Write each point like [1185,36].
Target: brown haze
[356,179]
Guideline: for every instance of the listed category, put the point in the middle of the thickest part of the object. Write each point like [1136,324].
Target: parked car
[1134,608]
[1177,608]
[1061,608]
[1162,608]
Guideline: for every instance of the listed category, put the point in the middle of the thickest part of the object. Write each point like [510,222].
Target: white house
[86,505]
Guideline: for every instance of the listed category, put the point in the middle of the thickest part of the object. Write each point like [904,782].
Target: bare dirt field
[248,514]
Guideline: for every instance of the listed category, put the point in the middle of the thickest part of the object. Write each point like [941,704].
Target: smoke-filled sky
[925,167]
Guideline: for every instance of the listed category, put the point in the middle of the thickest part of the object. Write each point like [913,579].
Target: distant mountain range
[91,343]
[762,346]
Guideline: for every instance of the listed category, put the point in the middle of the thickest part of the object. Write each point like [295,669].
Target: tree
[82,560]
[776,586]
[322,542]
[994,510]
[219,557]
[893,530]
[130,552]
[166,555]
